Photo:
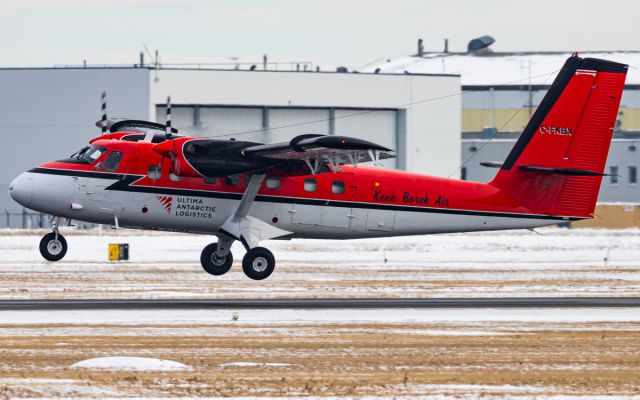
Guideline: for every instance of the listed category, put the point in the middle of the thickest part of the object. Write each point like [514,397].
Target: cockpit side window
[93,154]
[89,154]
[112,161]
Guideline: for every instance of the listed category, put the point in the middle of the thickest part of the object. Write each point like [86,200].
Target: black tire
[52,249]
[212,264]
[258,263]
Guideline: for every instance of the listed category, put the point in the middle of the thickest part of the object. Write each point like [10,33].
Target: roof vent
[480,45]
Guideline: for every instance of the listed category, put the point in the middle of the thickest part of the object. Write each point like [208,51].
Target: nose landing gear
[53,246]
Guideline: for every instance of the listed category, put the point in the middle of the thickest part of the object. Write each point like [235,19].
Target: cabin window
[273,182]
[337,187]
[154,172]
[633,175]
[613,172]
[232,180]
[310,185]
[112,161]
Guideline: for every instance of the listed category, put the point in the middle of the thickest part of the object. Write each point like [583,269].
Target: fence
[31,220]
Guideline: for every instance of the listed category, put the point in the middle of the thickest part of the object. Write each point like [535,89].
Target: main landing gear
[213,263]
[53,246]
[258,263]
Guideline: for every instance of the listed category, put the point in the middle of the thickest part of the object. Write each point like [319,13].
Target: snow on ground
[366,353]
[279,317]
[253,364]
[558,262]
[131,364]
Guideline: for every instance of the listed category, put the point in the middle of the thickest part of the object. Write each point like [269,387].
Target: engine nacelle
[174,149]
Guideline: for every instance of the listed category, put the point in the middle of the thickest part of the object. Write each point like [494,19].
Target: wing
[303,155]
[318,150]
[133,125]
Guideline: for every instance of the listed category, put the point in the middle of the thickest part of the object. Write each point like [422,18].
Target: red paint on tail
[556,165]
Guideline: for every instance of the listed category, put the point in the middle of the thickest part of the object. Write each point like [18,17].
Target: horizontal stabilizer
[491,164]
[561,171]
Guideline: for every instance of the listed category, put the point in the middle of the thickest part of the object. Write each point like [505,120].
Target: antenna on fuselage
[167,124]
[103,120]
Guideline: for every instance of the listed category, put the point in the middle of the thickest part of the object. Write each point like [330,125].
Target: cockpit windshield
[89,154]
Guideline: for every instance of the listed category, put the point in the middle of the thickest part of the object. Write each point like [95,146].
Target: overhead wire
[364,112]
[499,130]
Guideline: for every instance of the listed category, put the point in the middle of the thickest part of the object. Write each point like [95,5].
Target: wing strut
[245,228]
[249,195]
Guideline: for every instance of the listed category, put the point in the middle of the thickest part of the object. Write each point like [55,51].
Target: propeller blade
[103,120]
[174,169]
[167,126]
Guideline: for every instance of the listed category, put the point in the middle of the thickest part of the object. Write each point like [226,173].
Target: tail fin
[557,164]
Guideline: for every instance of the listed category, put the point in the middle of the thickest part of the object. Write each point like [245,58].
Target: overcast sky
[328,32]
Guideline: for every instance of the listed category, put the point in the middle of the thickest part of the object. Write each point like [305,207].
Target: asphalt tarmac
[317,303]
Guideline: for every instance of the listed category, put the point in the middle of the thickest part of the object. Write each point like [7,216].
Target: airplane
[145,175]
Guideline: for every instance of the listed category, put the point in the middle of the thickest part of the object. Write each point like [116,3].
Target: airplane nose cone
[21,189]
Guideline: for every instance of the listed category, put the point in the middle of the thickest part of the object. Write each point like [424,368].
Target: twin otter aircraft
[143,175]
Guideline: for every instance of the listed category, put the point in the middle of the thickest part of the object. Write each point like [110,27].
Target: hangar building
[49,113]
[500,92]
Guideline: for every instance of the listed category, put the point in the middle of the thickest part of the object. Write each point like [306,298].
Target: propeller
[175,166]
[167,123]
[103,120]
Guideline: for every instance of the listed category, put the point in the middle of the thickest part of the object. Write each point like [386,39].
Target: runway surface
[317,303]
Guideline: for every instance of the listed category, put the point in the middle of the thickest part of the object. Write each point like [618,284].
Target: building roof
[536,68]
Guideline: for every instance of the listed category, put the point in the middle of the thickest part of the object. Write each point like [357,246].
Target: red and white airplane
[143,175]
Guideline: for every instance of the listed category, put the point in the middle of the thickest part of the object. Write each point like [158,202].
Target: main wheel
[212,263]
[258,263]
[52,248]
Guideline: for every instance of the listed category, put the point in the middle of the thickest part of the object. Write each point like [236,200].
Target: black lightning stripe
[126,183]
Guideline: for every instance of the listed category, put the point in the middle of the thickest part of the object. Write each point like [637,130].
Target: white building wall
[48,114]
[432,143]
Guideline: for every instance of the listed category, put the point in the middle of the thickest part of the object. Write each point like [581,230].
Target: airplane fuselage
[357,202]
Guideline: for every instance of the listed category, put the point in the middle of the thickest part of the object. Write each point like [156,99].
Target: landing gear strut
[259,262]
[53,246]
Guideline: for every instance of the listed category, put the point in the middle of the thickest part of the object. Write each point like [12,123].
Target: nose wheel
[53,246]
[258,263]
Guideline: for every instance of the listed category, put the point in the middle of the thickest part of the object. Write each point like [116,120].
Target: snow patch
[131,363]
[254,364]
